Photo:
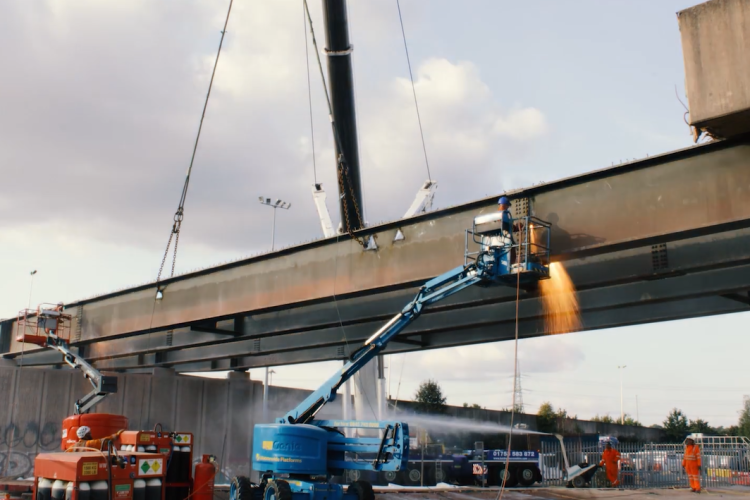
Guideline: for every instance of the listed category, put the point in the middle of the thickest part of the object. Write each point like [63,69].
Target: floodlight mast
[279,203]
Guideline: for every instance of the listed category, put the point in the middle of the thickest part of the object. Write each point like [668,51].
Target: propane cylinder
[99,490]
[84,491]
[69,491]
[203,482]
[58,490]
[44,489]
[139,489]
[153,489]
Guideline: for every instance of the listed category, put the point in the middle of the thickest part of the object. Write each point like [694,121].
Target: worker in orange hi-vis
[691,462]
[85,440]
[611,459]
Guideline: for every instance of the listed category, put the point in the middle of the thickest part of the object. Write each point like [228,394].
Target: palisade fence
[725,462]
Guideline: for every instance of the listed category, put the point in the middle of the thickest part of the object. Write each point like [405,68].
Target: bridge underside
[661,239]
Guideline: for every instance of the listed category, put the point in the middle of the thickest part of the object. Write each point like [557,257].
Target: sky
[101,102]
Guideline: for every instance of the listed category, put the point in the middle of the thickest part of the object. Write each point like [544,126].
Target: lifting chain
[342,190]
[175,233]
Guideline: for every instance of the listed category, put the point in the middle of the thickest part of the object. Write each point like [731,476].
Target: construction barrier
[725,462]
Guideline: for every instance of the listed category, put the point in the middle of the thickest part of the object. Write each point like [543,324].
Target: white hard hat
[82,431]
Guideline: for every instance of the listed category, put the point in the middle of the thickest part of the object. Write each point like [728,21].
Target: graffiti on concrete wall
[17,464]
[17,439]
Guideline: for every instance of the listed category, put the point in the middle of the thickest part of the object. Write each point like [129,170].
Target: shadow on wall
[563,241]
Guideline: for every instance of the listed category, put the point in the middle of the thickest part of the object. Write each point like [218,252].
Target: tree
[429,397]
[472,406]
[700,426]
[743,426]
[628,420]
[605,419]
[676,426]
[546,419]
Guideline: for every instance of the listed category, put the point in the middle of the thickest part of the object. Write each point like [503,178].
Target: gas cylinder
[99,490]
[203,481]
[185,464]
[58,489]
[139,489]
[174,466]
[44,489]
[84,491]
[69,491]
[153,489]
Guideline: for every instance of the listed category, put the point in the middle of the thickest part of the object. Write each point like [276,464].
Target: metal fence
[651,465]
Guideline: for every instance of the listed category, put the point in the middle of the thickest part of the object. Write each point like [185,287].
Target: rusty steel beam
[603,287]
[671,198]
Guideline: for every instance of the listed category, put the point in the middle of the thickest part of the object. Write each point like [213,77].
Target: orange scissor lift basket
[35,326]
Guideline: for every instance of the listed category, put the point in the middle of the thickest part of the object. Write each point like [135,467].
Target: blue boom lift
[298,455]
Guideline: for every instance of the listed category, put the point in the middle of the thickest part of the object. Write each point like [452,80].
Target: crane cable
[515,369]
[309,93]
[414,91]
[180,213]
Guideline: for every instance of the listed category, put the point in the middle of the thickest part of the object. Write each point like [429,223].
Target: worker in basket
[691,462]
[49,329]
[508,226]
[611,459]
[86,441]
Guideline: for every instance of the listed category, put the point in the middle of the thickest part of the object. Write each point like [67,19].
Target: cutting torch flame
[562,313]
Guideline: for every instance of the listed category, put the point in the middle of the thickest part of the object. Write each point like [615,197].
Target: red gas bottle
[203,482]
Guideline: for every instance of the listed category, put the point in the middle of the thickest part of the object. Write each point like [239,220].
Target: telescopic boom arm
[433,291]
[103,384]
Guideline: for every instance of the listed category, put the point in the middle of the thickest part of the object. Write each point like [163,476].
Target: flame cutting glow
[560,306]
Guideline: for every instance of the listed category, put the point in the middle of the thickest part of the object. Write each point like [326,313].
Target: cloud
[104,104]
[470,137]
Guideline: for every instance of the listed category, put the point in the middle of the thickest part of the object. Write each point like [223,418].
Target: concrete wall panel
[162,402]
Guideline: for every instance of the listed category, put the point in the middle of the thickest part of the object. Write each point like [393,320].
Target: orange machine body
[83,471]
[101,425]
[148,441]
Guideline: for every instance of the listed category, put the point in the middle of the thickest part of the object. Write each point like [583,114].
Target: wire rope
[309,93]
[413,90]
[180,213]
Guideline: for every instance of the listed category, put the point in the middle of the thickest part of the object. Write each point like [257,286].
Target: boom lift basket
[525,250]
[34,326]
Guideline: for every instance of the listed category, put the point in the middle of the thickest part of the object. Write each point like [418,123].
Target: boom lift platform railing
[48,326]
